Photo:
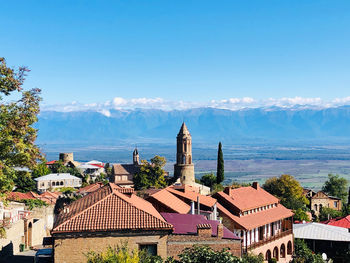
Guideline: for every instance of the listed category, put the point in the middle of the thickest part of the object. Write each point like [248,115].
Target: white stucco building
[52,181]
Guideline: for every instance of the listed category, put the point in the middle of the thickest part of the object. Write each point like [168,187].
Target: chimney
[227,190]
[220,233]
[198,206]
[204,230]
[255,185]
[215,212]
[193,208]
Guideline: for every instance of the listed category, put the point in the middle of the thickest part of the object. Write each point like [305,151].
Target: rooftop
[191,195]
[318,231]
[125,169]
[58,176]
[107,209]
[186,224]
[170,200]
[339,221]
[246,198]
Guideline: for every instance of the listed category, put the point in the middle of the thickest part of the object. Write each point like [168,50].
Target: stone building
[320,199]
[107,217]
[123,174]
[265,226]
[184,167]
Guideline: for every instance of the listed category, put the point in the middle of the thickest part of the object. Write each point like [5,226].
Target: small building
[53,181]
[107,217]
[322,238]
[92,169]
[320,199]
[192,230]
[123,174]
[265,226]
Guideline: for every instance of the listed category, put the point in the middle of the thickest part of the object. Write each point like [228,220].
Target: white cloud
[167,105]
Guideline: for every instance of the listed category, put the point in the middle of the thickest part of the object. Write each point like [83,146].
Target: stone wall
[14,237]
[72,249]
[177,243]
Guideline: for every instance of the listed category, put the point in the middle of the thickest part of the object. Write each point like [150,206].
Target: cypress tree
[220,166]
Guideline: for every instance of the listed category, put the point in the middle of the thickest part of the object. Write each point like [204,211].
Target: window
[335,204]
[149,248]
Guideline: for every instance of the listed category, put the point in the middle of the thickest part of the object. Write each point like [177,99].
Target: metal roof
[317,231]
[62,176]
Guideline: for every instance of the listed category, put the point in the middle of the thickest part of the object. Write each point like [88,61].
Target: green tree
[40,170]
[220,174]
[303,254]
[288,190]
[336,186]
[328,213]
[208,179]
[24,182]
[17,134]
[150,174]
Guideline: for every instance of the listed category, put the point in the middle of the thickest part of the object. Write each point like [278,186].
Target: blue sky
[198,51]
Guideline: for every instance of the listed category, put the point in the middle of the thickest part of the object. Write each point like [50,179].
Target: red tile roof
[170,200]
[109,210]
[17,196]
[51,162]
[341,222]
[49,197]
[90,188]
[192,196]
[97,165]
[246,198]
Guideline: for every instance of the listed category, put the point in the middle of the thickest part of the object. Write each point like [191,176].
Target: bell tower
[136,157]
[184,168]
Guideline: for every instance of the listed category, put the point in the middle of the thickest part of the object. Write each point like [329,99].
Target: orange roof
[192,196]
[49,197]
[90,188]
[17,196]
[260,218]
[109,210]
[171,201]
[246,198]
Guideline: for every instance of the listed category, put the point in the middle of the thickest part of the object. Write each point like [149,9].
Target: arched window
[275,253]
[183,159]
[61,183]
[53,183]
[283,251]
[320,207]
[315,207]
[289,248]
[189,159]
[268,255]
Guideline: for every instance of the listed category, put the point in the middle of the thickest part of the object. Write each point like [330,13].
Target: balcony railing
[269,239]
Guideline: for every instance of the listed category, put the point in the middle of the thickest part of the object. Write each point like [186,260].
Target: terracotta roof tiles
[170,200]
[109,210]
[192,196]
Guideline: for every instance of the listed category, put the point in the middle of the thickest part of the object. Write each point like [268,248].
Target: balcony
[269,239]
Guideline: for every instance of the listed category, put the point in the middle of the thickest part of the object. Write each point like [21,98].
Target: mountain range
[207,125]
